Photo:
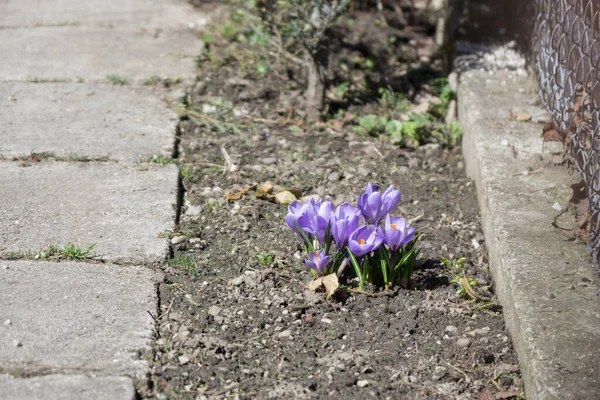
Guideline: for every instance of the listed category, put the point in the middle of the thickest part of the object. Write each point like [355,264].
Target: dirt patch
[236,319]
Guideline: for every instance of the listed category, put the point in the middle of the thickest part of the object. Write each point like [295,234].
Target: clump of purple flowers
[379,247]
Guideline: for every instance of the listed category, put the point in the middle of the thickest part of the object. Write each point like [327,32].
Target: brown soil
[236,319]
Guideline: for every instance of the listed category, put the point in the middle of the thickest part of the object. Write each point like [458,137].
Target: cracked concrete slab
[66,387]
[75,318]
[76,53]
[94,120]
[545,282]
[133,13]
[121,207]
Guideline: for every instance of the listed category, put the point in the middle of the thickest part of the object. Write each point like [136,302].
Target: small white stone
[556,206]
[451,329]
[178,239]
[183,360]
[7,322]
[463,342]
[362,383]
[214,310]
[326,320]
[285,334]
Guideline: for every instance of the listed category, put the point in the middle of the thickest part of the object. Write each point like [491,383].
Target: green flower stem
[359,275]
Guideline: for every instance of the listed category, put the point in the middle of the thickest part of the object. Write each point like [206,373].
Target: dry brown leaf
[266,187]
[552,135]
[485,396]
[509,394]
[329,283]
[277,194]
[236,195]
[285,197]
[521,116]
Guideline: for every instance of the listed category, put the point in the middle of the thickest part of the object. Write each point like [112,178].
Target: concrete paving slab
[75,318]
[66,387]
[545,282]
[94,120]
[121,207]
[131,13]
[75,53]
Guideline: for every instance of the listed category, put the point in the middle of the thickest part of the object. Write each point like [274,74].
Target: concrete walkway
[77,87]
[544,280]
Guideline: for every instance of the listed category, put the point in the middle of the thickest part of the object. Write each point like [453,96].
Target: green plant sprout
[186,262]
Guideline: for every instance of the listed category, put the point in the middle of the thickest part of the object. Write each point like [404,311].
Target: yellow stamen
[393,226]
[361,241]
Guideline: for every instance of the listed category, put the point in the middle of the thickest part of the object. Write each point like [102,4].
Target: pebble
[482,331]
[237,281]
[269,160]
[326,320]
[439,373]
[362,383]
[404,170]
[451,329]
[556,206]
[5,267]
[183,360]
[285,334]
[463,342]
[214,310]
[7,322]
[178,239]
[334,177]
[192,211]
[17,343]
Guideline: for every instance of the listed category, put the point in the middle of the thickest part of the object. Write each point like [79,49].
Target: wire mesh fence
[566,50]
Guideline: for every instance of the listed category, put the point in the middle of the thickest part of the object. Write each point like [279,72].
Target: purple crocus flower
[295,211]
[318,214]
[318,261]
[374,205]
[396,232]
[365,240]
[344,221]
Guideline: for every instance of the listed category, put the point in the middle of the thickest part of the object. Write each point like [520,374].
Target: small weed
[263,257]
[370,125]
[396,102]
[161,160]
[295,156]
[71,251]
[117,80]
[464,283]
[50,80]
[185,173]
[186,262]
[442,89]
[213,205]
[341,90]
[153,81]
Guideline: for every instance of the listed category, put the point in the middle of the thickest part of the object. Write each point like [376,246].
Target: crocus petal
[372,208]
[371,187]
[391,198]
[310,264]
[370,238]
[410,234]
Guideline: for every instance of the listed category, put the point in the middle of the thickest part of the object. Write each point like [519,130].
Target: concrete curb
[544,281]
